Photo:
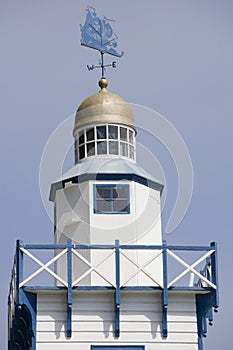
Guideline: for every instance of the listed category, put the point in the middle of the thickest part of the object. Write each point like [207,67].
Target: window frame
[112,199]
[125,147]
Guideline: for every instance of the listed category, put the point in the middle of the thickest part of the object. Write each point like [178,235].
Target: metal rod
[19,270]
[69,289]
[117,292]
[214,272]
[102,64]
[165,290]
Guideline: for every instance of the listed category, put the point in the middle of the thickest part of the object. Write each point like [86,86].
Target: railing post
[165,291]
[69,291]
[214,273]
[117,291]
[19,270]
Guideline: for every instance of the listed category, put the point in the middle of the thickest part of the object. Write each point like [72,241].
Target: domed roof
[103,107]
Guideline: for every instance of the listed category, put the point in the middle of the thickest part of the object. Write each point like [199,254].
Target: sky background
[178,61]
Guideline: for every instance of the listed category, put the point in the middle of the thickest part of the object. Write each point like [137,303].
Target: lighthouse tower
[106,196]
[115,285]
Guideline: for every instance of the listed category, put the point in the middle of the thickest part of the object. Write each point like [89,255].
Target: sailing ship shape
[98,34]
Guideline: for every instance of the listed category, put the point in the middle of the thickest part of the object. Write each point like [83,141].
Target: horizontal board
[144,296]
[108,306]
[134,337]
[109,316]
[86,346]
[98,304]
[125,327]
[77,296]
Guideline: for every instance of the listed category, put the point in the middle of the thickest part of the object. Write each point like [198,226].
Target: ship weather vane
[98,34]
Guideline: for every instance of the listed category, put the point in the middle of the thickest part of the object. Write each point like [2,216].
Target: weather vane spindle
[98,34]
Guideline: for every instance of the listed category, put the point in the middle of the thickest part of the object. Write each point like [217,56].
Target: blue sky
[178,61]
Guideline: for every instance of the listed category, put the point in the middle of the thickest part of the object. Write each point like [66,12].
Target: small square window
[90,149]
[81,138]
[123,134]
[111,199]
[81,152]
[131,152]
[102,147]
[101,132]
[131,136]
[124,149]
[113,132]
[113,147]
[75,144]
[90,134]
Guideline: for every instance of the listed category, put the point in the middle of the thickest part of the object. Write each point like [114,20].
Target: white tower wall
[76,220]
[72,222]
[94,320]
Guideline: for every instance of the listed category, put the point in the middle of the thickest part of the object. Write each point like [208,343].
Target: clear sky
[178,61]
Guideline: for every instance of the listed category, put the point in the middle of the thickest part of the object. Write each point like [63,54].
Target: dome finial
[103,83]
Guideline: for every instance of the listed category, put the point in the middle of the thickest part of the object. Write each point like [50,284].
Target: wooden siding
[93,320]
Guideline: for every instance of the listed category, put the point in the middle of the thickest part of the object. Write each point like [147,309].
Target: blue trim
[23,332]
[200,343]
[117,291]
[128,288]
[207,298]
[30,300]
[165,291]
[214,271]
[104,177]
[19,269]
[113,347]
[69,291]
[204,305]
[111,198]
[57,288]
[112,246]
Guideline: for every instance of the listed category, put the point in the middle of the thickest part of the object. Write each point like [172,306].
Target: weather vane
[98,34]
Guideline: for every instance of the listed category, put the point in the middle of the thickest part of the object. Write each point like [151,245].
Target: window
[105,140]
[111,199]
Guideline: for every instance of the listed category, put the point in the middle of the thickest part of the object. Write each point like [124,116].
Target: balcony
[181,269]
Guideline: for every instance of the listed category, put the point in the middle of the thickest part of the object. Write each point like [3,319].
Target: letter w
[90,67]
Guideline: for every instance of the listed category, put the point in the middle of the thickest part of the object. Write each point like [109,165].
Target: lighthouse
[111,285]
[106,196]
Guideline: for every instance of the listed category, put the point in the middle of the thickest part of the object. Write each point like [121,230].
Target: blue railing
[206,279]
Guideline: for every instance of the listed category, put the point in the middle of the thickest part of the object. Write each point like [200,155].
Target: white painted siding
[75,220]
[141,226]
[93,320]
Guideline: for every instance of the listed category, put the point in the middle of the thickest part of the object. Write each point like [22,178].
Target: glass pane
[123,134]
[101,132]
[81,152]
[113,147]
[81,137]
[90,134]
[112,132]
[124,149]
[75,144]
[103,192]
[103,206]
[120,206]
[121,192]
[102,147]
[131,152]
[114,193]
[90,149]
[76,157]
[131,136]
